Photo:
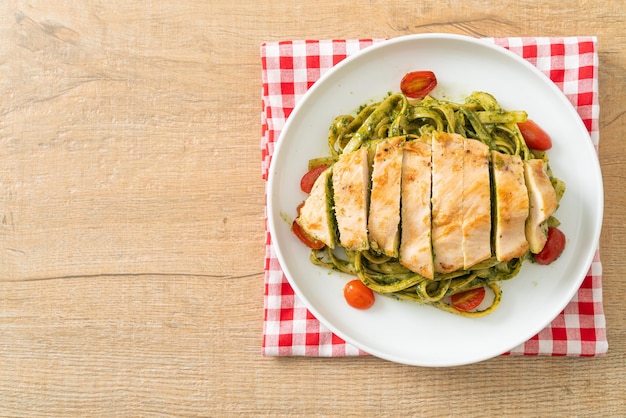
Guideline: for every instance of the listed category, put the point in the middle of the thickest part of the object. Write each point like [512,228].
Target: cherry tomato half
[535,137]
[553,248]
[305,238]
[468,300]
[307,181]
[358,295]
[418,84]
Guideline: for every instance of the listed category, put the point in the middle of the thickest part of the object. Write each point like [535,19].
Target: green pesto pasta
[480,118]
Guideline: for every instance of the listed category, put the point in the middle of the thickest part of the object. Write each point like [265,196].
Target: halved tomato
[305,238]
[553,248]
[358,295]
[417,84]
[468,300]
[307,181]
[534,136]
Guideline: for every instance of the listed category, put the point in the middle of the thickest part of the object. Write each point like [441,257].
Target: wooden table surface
[131,215]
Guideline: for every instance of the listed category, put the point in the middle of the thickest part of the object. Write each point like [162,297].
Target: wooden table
[131,215]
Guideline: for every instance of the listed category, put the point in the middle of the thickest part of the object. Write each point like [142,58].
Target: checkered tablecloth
[289,68]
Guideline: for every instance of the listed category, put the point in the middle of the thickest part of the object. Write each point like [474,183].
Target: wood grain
[131,215]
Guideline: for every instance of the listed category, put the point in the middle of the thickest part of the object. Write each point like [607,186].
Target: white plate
[413,333]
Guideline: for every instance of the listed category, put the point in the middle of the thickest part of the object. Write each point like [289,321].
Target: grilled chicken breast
[435,203]
[543,203]
[447,202]
[384,212]
[511,206]
[316,215]
[351,194]
[476,225]
[415,244]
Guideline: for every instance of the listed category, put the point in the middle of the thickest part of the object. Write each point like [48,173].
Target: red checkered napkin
[289,68]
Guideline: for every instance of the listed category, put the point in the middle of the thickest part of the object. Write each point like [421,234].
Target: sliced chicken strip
[543,203]
[447,202]
[511,206]
[316,215]
[415,245]
[384,212]
[476,203]
[351,193]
